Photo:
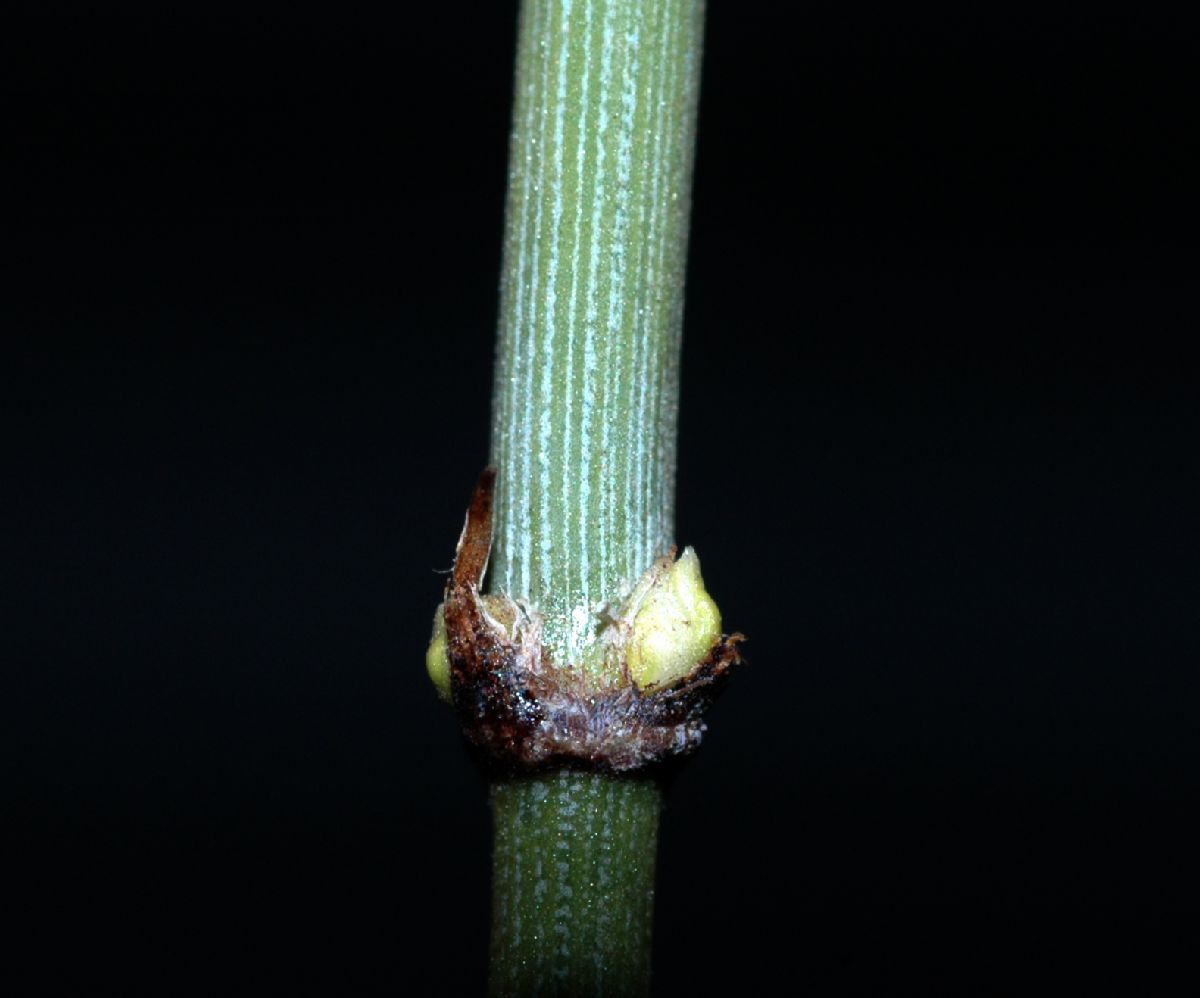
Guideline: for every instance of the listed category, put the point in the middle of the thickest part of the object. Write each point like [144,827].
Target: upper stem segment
[587,392]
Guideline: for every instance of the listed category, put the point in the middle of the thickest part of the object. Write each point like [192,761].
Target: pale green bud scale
[677,624]
[437,657]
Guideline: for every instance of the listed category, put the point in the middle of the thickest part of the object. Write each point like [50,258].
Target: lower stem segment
[573,884]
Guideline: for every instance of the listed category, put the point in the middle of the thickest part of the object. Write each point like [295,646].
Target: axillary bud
[676,624]
[499,610]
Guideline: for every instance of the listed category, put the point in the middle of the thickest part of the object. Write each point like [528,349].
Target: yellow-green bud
[437,658]
[676,625]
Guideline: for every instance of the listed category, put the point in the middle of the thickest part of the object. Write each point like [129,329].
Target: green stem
[583,434]
[591,303]
[573,884]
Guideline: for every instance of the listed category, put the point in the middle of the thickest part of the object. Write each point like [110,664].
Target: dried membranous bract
[659,660]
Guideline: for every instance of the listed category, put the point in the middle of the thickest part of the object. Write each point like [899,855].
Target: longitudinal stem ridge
[585,410]
[573,885]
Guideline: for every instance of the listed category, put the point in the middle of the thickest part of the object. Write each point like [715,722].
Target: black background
[937,455]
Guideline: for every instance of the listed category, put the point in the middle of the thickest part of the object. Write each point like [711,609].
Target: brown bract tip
[475,541]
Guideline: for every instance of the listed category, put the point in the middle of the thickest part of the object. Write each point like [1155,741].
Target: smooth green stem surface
[586,397]
[573,885]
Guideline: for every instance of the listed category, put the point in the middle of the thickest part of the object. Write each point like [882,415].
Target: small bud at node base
[676,625]
[437,657]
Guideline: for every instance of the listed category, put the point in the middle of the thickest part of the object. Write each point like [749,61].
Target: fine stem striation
[573,880]
[591,303]
[583,437]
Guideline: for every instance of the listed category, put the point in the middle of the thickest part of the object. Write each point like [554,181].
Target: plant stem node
[636,701]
